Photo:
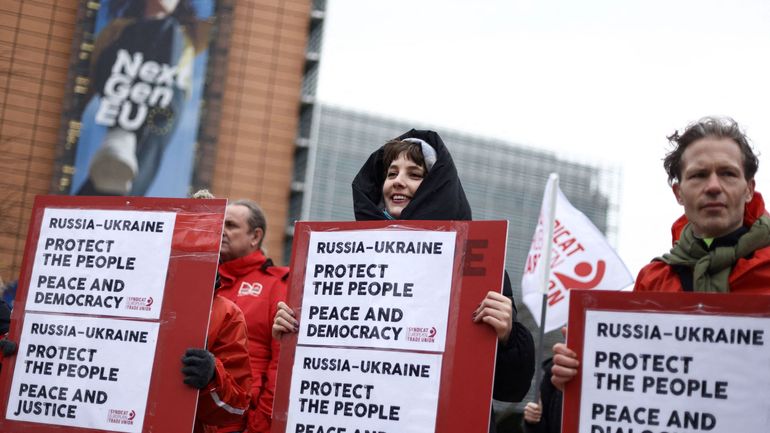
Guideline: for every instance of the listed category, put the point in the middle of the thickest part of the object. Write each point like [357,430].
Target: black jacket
[441,197]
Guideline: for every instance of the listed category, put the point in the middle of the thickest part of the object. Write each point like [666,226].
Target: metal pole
[551,189]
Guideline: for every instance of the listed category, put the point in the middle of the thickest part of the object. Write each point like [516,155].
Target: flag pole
[552,187]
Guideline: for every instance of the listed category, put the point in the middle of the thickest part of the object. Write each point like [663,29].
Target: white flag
[581,258]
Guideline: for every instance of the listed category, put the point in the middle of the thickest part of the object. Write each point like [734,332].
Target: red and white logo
[119,416]
[139,303]
[250,289]
[421,335]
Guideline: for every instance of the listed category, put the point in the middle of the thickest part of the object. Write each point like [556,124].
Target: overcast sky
[599,81]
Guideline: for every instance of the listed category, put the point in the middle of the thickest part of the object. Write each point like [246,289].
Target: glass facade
[501,180]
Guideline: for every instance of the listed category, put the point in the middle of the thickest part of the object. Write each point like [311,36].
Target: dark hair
[716,127]
[393,148]
[256,217]
[184,12]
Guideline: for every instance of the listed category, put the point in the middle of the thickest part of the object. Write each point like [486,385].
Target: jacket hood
[439,197]
[751,213]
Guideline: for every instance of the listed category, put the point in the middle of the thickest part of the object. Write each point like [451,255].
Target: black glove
[8,347]
[198,367]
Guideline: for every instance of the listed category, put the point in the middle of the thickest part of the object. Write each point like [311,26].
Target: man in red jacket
[222,371]
[250,280]
[722,242]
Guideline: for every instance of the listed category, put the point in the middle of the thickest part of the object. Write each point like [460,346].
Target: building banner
[383,308]
[113,291]
[668,362]
[134,115]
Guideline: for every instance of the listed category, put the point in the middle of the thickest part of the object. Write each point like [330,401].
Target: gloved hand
[8,347]
[198,367]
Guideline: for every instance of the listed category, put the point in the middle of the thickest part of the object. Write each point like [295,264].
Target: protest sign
[374,292]
[668,362]
[88,260]
[383,308]
[112,292]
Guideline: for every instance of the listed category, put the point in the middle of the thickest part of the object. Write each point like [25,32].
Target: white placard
[83,372]
[349,391]
[386,289]
[665,372]
[101,262]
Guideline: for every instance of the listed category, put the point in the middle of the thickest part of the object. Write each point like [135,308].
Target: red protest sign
[112,291]
[659,362]
[386,335]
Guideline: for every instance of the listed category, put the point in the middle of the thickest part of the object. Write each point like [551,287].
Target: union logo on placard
[421,335]
[139,303]
[250,289]
[120,416]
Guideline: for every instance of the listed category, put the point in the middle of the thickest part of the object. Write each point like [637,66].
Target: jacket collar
[233,269]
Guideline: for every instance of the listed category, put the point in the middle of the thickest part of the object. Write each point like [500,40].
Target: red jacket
[226,398]
[256,286]
[749,275]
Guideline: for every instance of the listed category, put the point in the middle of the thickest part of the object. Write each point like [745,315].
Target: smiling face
[713,188]
[402,179]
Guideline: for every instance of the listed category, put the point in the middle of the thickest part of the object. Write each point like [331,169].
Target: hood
[751,213]
[439,197]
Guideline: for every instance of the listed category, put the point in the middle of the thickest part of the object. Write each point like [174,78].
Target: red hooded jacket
[227,397]
[256,286]
[749,275]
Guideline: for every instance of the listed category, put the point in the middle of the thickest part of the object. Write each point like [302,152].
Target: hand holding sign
[496,311]
[284,321]
[198,367]
[565,364]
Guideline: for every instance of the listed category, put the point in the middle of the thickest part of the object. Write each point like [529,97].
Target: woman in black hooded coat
[440,196]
